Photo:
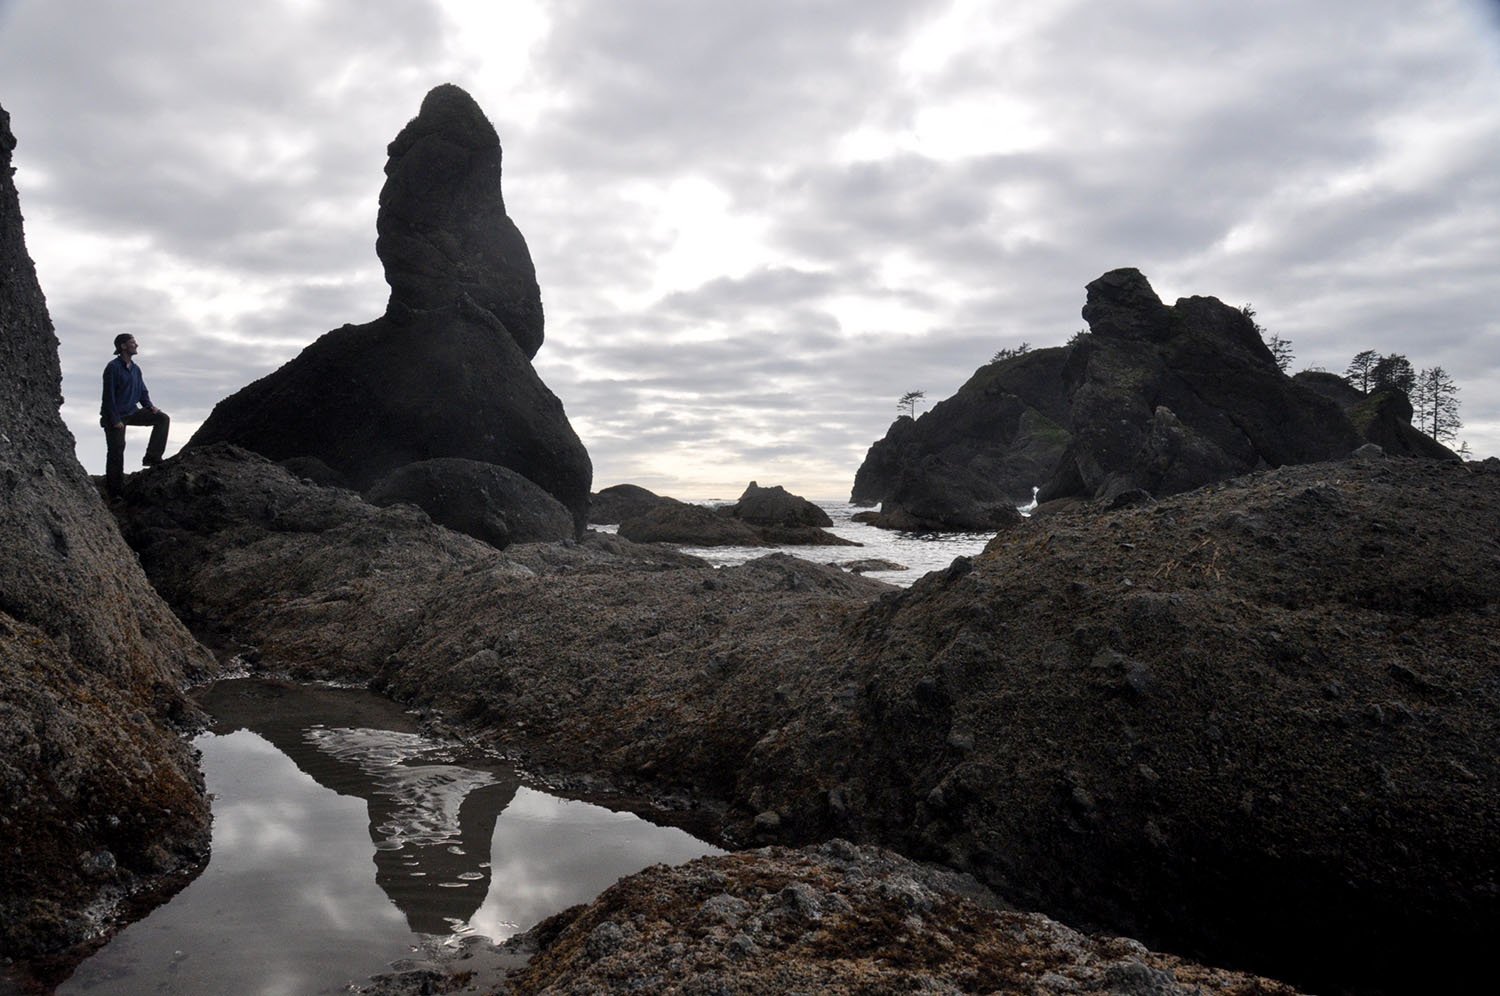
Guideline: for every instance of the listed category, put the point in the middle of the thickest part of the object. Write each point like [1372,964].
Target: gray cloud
[206,175]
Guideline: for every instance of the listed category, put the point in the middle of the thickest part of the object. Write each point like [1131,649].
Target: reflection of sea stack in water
[432,820]
[446,371]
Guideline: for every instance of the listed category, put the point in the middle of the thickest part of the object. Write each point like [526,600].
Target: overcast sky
[755,225]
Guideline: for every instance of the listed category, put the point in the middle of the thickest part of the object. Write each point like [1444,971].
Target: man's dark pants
[114,441]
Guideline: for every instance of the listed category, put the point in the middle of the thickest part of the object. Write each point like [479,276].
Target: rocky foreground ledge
[833,919]
[1254,723]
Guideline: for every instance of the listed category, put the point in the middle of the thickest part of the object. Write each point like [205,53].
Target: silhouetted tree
[1434,402]
[1248,311]
[1393,371]
[1006,353]
[1361,372]
[908,402]
[1281,351]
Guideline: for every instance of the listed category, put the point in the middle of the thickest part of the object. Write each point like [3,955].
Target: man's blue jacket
[124,391]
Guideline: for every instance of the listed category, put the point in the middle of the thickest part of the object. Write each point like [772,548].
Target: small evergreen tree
[1361,371]
[908,402]
[1281,351]
[1393,372]
[1006,353]
[1434,402]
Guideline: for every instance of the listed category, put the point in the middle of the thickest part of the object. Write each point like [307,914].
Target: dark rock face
[775,506]
[98,793]
[315,470]
[483,500]
[446,372]
[1383,418]
[691,525]
[838,920]
[1254,722]
[762,517]
[1155,398]
[619,502]
[443,233]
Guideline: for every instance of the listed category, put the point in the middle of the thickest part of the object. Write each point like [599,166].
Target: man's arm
[107,405]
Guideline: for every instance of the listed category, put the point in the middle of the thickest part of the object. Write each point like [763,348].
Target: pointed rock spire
[442,230]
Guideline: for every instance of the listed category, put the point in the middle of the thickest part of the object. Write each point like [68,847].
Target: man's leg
[114,459]
[160,424]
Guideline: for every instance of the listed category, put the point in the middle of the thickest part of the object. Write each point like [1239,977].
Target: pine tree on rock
[1434,400]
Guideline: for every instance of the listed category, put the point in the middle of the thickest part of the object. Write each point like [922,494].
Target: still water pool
[344,839]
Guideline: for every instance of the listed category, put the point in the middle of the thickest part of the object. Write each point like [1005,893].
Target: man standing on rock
[127,402]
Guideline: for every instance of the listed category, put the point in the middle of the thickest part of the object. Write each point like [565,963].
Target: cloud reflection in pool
[312,787]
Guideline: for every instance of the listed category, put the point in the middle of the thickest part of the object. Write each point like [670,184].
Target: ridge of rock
[1154,398]
[99,793]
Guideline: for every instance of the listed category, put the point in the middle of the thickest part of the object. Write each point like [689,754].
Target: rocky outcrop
[1154,398]
[837,920]
[689,525]
[613,505]
[446,372]
[100,800]
[1254,723]
[776,506]
[486,501]
[1383,418]
[976,454]
[442,231]
[762,517]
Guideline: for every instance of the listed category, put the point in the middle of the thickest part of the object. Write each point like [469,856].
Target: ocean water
[917,553]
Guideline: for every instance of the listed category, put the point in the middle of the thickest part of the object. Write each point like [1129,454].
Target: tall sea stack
[446,371]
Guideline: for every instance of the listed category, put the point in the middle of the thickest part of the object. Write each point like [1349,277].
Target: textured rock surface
[442,230]
[835,919]
[99,798]
[690,525]
[483,500]
[1383,418]
[1255,720]
[446,372]
[775,506]
[762,517]
[612,505]
[1254,723]
[1154,398]
[981,450]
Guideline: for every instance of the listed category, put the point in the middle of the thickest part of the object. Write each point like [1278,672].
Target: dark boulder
[614,504]
[484,500]
[690,525]
[1156,398]
[446,372]
[312,469]
[784,519]
[99,793]
[762,517]
[775,506]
